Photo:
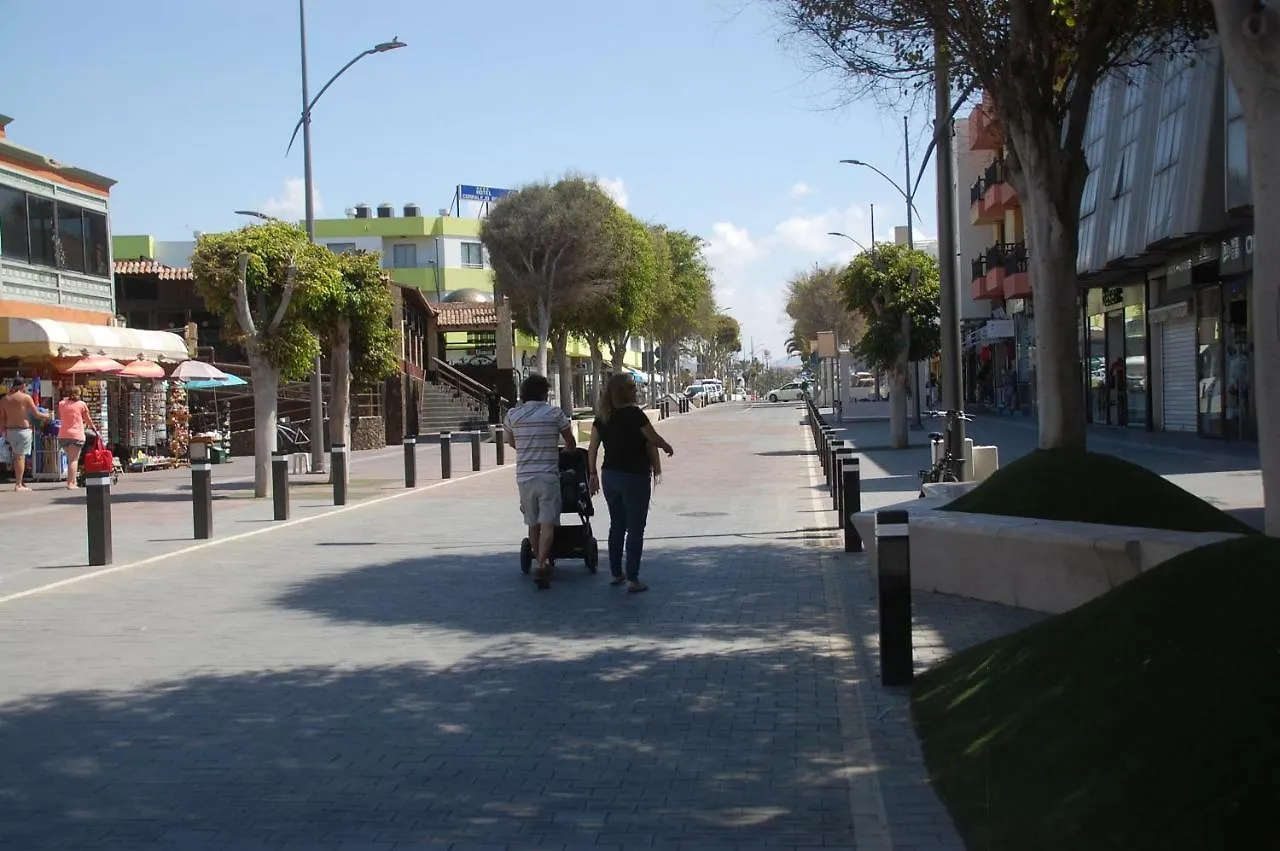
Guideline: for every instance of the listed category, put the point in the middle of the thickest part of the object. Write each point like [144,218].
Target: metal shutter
[1178,374]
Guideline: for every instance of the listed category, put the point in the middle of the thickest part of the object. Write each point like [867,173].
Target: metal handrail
[468,384]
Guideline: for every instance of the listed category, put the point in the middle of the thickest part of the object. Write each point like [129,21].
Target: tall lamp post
[304,123]
[908,195]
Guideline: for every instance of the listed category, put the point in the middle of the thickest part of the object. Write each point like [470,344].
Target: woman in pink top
[73,416]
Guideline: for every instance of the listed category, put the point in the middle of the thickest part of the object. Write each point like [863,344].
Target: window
[1239,190]
[342,247]
[1122,187]
[1095,137]
[1169,133]
[71,237]
[404,256]
[472,254]
[97,245]
[139,289]
[43,228]
[14,242]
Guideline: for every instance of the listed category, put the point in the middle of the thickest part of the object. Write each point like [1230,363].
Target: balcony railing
[979,267]
[975,191]
[1015,258]
[995,173]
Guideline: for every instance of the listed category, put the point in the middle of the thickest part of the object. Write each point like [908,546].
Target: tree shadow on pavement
[529,745]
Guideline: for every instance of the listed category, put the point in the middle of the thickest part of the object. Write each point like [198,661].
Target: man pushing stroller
[534,429]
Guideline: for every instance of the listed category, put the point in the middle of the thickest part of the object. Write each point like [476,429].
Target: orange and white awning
[48,338]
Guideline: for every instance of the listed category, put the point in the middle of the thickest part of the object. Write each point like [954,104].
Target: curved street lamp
[383,47]
[851,239]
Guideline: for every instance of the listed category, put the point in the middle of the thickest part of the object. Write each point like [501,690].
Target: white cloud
[616,189]
[801,189]
[730,245]
[291,204]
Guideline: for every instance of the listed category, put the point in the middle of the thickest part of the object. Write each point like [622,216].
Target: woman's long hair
[619,392]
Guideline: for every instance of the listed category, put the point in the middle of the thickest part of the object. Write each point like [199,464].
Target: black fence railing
[995,173]
[975,191]
[979,267]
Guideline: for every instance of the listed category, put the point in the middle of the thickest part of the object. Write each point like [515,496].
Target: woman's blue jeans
[627,495]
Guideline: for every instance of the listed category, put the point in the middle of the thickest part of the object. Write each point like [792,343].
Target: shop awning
[47,338]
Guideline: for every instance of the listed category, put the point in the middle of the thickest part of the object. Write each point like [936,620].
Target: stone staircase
[443,407]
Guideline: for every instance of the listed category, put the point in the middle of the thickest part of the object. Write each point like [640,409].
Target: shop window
[43,226]
[1209,367]
[14,240]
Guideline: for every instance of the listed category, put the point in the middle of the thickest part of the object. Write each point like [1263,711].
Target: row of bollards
[98,486]
[683,406]
[841,469]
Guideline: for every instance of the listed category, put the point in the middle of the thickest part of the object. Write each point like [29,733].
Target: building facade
[1165,249]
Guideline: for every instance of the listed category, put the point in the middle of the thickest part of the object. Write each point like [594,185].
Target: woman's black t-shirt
[625,446]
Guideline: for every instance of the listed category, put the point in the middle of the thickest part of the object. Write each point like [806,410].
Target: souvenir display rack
[179,422]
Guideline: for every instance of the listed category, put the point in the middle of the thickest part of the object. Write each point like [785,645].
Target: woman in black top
[628,438]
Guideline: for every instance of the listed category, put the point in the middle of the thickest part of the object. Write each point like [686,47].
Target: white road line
[62,583]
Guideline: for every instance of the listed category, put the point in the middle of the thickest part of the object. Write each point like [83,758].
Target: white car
[792,391]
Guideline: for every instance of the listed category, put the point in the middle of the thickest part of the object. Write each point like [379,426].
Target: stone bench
[1045,565]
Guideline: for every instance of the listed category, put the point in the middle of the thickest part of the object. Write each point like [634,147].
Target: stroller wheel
[593,555]
[526,556]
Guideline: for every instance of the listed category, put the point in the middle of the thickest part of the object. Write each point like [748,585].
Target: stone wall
[368,433]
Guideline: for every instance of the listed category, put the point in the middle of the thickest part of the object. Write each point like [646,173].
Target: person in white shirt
[534,429]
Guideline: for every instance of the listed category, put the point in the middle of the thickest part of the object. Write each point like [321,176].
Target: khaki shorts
[20,441]
[540,500]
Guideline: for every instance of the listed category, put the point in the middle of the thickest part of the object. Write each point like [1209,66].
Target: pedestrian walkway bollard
[201,491]
[851,503]
[446,455]
[411,462]
[98,501]
[280,484]
[475,451]
[844,452]
[338,469]
[500,441]
[893,562]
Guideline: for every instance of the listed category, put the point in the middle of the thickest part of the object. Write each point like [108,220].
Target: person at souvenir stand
[73,422]
[18,414]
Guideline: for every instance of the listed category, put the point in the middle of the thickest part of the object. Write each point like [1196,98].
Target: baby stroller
[575,496]
[93,444]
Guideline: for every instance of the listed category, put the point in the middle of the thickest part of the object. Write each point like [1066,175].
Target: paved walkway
[383,676]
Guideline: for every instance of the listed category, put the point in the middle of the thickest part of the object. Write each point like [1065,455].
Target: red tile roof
[464,314]
[150,268]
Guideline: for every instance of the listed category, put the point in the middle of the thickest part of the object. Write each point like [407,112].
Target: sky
[693,113]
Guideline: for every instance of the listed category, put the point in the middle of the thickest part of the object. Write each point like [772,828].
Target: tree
[679,298]
[816,303]
[897,290]
[623,303]
[354,319]
[719,336]
[265,281]
[1038,61]
[548,248]
[1249,33]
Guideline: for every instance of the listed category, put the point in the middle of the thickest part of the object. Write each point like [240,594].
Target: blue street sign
[481,193]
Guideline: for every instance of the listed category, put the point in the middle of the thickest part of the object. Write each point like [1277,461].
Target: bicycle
[945,469]
[290,435]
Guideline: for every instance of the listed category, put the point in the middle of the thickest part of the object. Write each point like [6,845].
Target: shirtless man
[16,409]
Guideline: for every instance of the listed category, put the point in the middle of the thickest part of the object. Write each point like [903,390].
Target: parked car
[792,391]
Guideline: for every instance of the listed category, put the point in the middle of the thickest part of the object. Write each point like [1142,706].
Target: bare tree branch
[290,280]
[241,298]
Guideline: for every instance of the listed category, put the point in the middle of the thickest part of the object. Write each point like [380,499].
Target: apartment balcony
[1001,272]
[984,130]
[991,196]
[1017,280]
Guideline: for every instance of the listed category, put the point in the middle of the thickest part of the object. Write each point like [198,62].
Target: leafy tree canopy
[676,310]
[367,304]
[282,336]
[881,286]
[623,302]
[816,302]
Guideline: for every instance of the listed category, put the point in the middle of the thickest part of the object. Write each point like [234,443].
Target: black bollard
[851,497]
[411,462]
[893,561]
[202,498]
[446,455]
[500,443]
[843,454]
[338,470]
[475,451]
[280,484]
[98,502]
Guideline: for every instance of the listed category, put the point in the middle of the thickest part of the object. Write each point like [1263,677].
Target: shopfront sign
[998,329]
[1169,313]
[1237,255]
[1179,274]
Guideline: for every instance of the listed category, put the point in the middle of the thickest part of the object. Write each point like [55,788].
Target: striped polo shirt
[537,427]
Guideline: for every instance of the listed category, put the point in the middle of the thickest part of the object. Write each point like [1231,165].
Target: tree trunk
[597,372]
[1250,38]
[565,372]
[340,389]
[618,353]
[544,336]
[266,392]
[1051,260]
[898,409]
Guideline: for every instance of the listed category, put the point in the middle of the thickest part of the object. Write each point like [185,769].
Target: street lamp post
[908,195]
[304,121]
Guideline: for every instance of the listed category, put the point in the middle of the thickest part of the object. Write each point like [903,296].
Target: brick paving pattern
[384,677]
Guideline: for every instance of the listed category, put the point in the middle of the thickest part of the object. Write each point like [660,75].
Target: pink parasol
[143,369]
[94,363]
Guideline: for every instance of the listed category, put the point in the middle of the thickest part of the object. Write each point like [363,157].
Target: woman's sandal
[636,587]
